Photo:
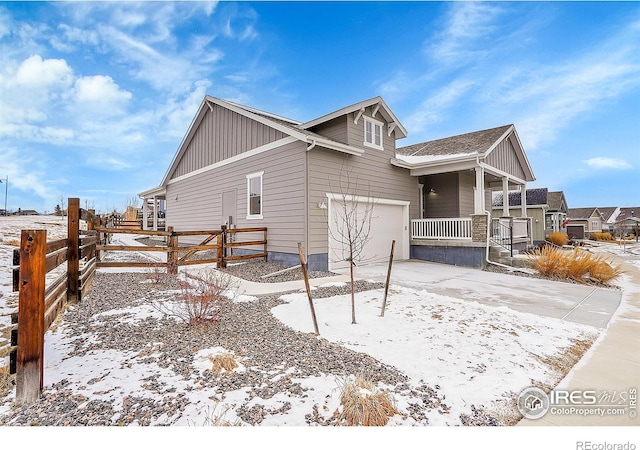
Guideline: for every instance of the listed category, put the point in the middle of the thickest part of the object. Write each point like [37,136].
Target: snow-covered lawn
[471,353]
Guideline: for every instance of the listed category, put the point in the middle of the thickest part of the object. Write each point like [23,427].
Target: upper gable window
[254,195]
[372,133]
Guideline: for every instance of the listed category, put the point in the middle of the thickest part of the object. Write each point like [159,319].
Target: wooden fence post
[386,284]
[303,263]
[172,255]
[30,354]
[73,250]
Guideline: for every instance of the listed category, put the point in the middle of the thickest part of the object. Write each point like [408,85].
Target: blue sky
[96,97]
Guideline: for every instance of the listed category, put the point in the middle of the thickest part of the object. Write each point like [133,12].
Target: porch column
[155,214]
[478,200]
[505,197]
[523,200]
[145,211]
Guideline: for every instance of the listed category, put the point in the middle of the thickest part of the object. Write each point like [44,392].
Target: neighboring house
[537,207]
[583,222]
[556,216]
[28,212]
[628,220]
[609,217]
[244,167]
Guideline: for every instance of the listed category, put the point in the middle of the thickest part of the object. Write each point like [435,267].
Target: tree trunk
[353,295]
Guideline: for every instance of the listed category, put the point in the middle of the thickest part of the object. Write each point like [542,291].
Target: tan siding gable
[504,158]
[220,135]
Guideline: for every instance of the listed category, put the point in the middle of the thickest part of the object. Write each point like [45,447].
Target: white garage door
[389,221]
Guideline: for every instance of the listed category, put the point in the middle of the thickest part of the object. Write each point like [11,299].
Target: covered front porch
[153,211]
[457,177]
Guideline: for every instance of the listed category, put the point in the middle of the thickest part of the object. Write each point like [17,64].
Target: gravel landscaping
[273,353]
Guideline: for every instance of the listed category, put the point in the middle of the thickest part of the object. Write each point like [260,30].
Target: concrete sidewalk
[612,365]
[574,302]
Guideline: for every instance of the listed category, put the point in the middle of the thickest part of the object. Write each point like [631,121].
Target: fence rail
[226,241]
[44,287]
[447,228]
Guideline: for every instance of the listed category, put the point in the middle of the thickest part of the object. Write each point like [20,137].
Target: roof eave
[400,130]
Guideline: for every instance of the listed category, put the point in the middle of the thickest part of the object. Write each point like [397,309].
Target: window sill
[377,147]
[255,217]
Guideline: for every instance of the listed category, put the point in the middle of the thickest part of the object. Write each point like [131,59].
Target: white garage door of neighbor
[388,222]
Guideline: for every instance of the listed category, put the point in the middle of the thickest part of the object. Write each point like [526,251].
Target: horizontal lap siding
[199,198]
[376,177]
[223,134]
[444,201]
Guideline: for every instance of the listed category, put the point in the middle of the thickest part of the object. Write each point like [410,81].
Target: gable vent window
[372,133]
[254,195]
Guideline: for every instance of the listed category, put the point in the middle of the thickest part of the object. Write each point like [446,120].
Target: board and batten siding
[195,202]
[222,134]
[504,158]
[372,175]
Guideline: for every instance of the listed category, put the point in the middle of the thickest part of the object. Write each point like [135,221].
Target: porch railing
[449,228]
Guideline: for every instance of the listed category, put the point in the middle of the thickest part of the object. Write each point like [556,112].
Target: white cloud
[462,38]
[434,109]
[603,162]
[36,73]
[99,89]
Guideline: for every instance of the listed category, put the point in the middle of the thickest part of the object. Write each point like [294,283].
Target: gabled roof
[468,148]
[475,143]
[535,197]
[555,200]
[582,213]
[609,213]
[286,126]
[379,106]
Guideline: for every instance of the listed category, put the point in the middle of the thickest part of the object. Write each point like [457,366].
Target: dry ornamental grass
[224,361]
[576,265]
[364,405]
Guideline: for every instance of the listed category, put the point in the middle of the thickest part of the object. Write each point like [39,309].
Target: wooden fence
[44,288]
[219,243]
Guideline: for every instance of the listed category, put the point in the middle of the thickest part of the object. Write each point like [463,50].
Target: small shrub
[202,299]
[601,236]
[364,405]
[558,238]
[157,274]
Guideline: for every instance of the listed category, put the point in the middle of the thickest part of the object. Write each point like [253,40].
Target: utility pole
[6,191]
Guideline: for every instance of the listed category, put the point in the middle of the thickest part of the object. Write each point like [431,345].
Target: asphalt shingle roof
[536,196]
[475,142]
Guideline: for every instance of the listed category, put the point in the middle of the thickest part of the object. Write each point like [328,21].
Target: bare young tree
[62,201]
[351,217]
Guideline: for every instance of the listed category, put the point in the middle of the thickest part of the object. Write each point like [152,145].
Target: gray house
[247,168]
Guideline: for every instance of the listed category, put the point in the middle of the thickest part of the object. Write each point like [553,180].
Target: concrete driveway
[578,303]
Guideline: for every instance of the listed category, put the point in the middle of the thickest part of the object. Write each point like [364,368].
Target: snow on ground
[477,355]
[473,354]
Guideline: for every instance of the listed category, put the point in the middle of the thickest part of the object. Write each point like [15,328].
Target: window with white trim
[594,225]
[372,133]
[254,195]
